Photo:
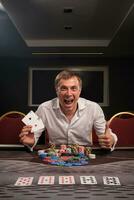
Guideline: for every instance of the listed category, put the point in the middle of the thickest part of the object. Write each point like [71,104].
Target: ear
[56,90]
[80,90]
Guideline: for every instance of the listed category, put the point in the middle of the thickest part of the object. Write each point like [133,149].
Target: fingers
[25,131]
[104,141]
[26,140]
[26,137]
[22,139]
[107,125]
[107,128]
[105,145]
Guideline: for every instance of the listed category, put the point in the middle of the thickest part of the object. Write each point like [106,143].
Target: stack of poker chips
[66,155]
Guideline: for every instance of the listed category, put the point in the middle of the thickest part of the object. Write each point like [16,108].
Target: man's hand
[26,137]
[106,140]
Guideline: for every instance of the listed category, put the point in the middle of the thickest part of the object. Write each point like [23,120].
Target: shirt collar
[81,104]
[55,103]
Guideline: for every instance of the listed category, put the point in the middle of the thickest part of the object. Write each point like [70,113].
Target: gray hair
[67,74]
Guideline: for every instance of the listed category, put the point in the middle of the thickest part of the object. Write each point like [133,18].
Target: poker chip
[92,156]
[66,155]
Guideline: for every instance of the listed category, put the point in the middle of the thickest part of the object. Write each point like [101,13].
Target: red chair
[10,127]
[122,124]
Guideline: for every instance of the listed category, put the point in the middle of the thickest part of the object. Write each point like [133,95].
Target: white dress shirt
[79,131]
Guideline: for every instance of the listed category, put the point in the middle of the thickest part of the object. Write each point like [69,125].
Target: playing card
[66,180]
[32,119]
[37,125]
[46,180]
[109,180]
[24,181]
[88,180]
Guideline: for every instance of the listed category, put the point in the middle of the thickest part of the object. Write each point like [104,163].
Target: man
[68,118]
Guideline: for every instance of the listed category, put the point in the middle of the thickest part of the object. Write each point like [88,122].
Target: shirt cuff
[36,138]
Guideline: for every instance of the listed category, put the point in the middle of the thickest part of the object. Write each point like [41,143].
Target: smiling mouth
[68,101]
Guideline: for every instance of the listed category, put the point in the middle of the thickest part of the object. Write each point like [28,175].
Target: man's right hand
[26,137]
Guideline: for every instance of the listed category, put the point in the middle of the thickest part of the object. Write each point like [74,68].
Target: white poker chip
[40,152]
[92,156]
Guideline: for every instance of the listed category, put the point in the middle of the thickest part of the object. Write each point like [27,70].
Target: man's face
[68,92]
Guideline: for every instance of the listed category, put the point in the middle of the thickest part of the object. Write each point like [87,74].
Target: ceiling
[100,28]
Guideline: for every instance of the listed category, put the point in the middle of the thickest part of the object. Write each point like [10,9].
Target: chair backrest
[122,124]
[10,127]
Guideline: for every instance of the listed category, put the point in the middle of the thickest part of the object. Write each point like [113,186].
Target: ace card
[32,119]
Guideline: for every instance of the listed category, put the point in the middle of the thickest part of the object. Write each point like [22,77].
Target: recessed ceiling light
[67,27]
[68,10]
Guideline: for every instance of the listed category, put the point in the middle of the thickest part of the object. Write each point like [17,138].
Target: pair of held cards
[32,119]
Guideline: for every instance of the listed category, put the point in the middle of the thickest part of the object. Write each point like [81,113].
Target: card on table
[32,119]
[88,180]
[24,181]
[111,180]
[46,180]
[66,180]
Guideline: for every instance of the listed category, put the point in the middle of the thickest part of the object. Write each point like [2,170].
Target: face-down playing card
[32,119]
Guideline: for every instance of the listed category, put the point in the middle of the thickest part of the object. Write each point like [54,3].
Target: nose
[69,91]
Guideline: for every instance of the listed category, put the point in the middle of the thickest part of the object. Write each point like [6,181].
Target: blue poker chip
[76,164]
[54,163]
[54,157]
[84,162]
[42,155]
[61,162]
[68,164]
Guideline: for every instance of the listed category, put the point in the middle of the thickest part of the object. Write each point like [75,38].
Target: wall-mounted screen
[95,84]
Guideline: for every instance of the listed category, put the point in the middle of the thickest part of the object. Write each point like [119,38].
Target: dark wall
[14,81]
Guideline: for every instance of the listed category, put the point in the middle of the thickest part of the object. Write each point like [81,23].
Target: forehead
[69,82]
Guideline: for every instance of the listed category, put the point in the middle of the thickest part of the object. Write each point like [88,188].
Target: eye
[74,88]
[63,88]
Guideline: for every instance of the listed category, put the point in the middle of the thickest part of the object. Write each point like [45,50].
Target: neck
[69,113]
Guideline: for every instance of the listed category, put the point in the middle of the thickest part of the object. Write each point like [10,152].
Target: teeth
[68,101]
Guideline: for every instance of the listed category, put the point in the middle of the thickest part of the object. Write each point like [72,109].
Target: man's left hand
[106,140]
